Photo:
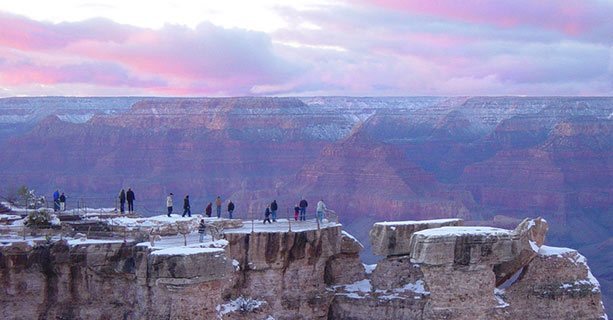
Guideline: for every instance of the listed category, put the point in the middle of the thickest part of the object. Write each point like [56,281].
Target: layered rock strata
[445,272]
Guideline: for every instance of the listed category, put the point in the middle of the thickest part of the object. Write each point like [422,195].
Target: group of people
[129,197]
[208,211]
[59,201]
[270,214]
[299,211]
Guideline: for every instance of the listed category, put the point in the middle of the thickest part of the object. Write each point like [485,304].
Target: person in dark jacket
[267,215]
[56,200]
[208,210]
[130,197]
[201,230]
[63,202]
[296,212]
[186,207]
[273,209]
[122,201]
[303,205]
[230,209]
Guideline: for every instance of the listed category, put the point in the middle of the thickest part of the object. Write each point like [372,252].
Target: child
[201,230]
[267,215]
[296,211]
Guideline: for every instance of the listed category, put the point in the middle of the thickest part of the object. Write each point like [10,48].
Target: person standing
[218,205]
[273,209]
[56,200]
[208,210]
[130,197]
[122,201]
[186,207]
[169,203]
[321,209]
[296,212]
[230,209]
[267,215]
[201,230]
[303,205]
[62,202]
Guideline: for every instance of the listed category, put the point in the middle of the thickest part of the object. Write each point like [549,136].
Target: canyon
[486,160]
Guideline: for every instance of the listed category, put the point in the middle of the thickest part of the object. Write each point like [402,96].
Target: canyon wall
[448,272]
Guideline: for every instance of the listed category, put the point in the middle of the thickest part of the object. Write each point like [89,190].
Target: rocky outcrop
[285,269]
[109,280]
[345,267]
[531,235]
[393,238]
[448,272]
[559,282]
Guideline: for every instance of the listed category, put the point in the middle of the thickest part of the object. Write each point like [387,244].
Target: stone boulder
[530,236]
[349,244]
[393,238]
[345,267]
[462,246]
[557,284]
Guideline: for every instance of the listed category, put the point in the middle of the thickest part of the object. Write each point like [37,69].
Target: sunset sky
[306,47]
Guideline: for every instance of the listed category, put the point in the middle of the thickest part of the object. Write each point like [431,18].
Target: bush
[40,219]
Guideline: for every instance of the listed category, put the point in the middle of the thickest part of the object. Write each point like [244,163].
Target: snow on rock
[554,251]
[410,222]
[575,257]
[236,265]
[184,251]
[359,286]
[499,295]
[240,304]
[463,231]
[84,241]
[347,234]
[369,268]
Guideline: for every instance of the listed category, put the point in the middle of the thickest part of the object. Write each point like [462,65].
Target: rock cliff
[436,270]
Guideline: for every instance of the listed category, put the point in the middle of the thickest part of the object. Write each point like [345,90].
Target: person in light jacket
[169,203]
[321,209]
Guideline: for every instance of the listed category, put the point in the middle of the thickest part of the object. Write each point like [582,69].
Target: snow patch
[240,304]
[499,295]
[554,251]
[359,286]
[411,222]
[184,251]
[84,241]
[462,231]
[369,268]
[534,246]
[236,265]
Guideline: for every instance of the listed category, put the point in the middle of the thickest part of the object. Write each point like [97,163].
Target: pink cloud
[567,16]
[207,59]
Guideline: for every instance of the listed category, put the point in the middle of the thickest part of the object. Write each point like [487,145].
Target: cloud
[202,60]
[590,18]
[377,47]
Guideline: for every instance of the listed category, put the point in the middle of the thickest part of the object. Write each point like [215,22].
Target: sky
[306,47]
